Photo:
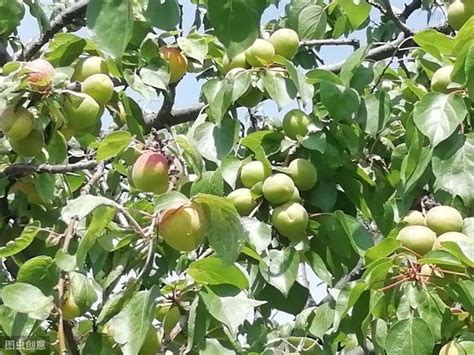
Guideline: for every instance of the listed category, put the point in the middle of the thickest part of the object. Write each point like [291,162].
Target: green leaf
[11,15]
[163,14]
[410,336]
[305,89]
[113,145]
[212,271]
[157,77]
[281,90]
[40,271]
[130,326]
[360,238]
[259,233]
[16,324]
[190,153]
[108,18]
[171,199]
[230,170]
[64,49]
[225,233]
[453,163]
[57,148]
[194,46]
[210,182]
[357,11]
[374,113]
[332,95]
[228,305]
[65,261]
[214,347]
[218,95]
[83,205]
[45,184]
[438,115]
[83,290]
[462,291]
[25,298]
[280,269]
[382,249]
[323,317]
[116,303]
[346,299]
[351,64]
[318,266]
[434,42]
[22,242]
[227,17]
[197,323]
[310,22]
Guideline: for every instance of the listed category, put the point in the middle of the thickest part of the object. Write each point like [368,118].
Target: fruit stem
[394,284]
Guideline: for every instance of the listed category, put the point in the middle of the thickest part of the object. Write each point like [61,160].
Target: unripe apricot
[82,111]
[171,319]
[278,188]
[295,123]
[419,239]
[178,63]
[30,146]
[253,173]
[28,188]
[260,53]
[152,343]
[414,218]
[41,72]
[243,201]
[290,220]
[452,348]
[442,219]
[99,87]
[458,14]
[70,308]
[184,228]
[442,79]
[286,42]
[85,67]
[237,62]
[17,122]
[303,173]
[150,173]
[252,97]
[454,237]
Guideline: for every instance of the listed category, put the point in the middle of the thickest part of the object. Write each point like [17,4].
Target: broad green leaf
[318,266]
[360,238]
[83,205]
[116,303]
[65,261]
[453,163]
[171,199]
[156,76]
[434,42]
[163,14]
[210,182]
[357,11]
[57,148]
[194,46]
[462,291]
[410,336]
[83,290]
[214,347]
[374,113]
[190,153]
[322,321]
[230,170]
[438,115]
[25,298]
[352,63]
[305,89]
[22,242]
[45,184]
[315,141]
[227,17]
[16,324]
[130,326]
[281,90]
[113,145]
[198,320]
[40,271]
[212,271]
[280,269]
[11,15]
[259,233]
[108,18]
[64,49]
[382,249]
[311,22]
[218,94]
[346,299]
[228,305]
[332,95]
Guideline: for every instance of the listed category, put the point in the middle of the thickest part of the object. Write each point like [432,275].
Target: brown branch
[409,9]
[332,42]
[94,178]
[63,19]
[395,18]
[18,170]
[4,55]
[174,117]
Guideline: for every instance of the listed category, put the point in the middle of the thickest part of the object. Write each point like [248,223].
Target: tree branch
[395,18]
[409,9]
[18,170]
[63,19]
[174,117]
[332,42]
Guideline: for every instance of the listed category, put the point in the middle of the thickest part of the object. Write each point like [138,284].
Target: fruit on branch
[16,122]
[419,239]
[295,123]
[69,307]
[41,72]
[152,343]
[82,111]
[99,87]
[296,196]
[442,79]
[414,218]
[237,62]
[454,237]
[171,319]
[303,173]
[260,53]
[150,173]
[442,219]
[30,146]
[290,220]
[85,67]
[458,13]
[278,188]
[253,173]
[286,42]
[184,228]
[28,188]
[252,97]
[452,348]
[177,62]
[243,201]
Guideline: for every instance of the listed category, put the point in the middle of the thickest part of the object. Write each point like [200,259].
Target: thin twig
[332,42]
[395,18]
[96,177]
[18,170]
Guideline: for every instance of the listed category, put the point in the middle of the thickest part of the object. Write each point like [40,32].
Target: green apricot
[100,87]
[70,308]
[278,188]
[295,123]
[252,97]
[152,343]
[442,219]
[260,53]
[442,79]
[82,111]
[414,218]
[290,220]
[253,173]
[286,42]
[16,123]
[85,67]
[452,348]
[243,201]
[30,146]
[458,14]
[454,237]
[419,239]
[238,61]
[150,173]
[303,173]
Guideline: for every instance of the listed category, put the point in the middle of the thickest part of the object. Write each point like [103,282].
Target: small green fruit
[458,14]
[86,67]
[278,189]
[415,218]
[419,239]
[455,237]
[452,348]
[243,201]
[150,173]
[99,87]
[184,228]
[152,343]
[16,123]
[286,42]
[82,111]
[70,308]
[30,146]
[304,174]
[295,123]
[290,220]
[260,53]
[253,173]
[442,219]
[237,62]
[171,319]
[251,98]
[442,79]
